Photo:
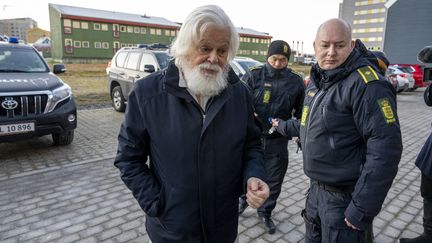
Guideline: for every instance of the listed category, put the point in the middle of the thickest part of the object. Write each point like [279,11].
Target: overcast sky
[290,20]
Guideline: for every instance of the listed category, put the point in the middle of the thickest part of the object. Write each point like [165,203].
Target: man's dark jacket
[199,161]
[350,133]
[283,89]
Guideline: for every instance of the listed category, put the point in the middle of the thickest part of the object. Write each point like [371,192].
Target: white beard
[205,84]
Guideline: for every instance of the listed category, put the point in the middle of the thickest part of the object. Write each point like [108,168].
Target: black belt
[339,189]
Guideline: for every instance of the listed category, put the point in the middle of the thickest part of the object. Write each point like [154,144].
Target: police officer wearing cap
[279,93]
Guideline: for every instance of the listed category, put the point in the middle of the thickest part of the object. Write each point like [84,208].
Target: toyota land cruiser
[33,101]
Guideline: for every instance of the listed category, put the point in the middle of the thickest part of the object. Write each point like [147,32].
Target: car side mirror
[59,68]
[425,55]
[149,68]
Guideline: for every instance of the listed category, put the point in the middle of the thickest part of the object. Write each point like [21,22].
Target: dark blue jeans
[324,217]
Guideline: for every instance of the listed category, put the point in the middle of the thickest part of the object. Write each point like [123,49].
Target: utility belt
[338,189]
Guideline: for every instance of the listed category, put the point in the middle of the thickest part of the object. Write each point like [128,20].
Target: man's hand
[257,192]
[350,225]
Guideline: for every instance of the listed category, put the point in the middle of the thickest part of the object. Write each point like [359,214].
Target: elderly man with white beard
[189,145]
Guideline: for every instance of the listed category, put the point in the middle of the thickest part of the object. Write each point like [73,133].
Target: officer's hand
[350,225]
[275,122]
[257,192]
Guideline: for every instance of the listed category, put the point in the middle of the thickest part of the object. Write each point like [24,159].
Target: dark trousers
[426,193]
[324,217]
[276,164]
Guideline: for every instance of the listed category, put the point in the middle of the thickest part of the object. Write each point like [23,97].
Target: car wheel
[118,101]
[63,138]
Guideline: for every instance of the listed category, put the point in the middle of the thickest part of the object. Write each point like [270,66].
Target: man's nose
[213,57]
[331,51]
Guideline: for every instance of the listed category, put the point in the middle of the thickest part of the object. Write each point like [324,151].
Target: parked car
[402,75]
[128,65]
[417,71]
[33,101]
[242,65]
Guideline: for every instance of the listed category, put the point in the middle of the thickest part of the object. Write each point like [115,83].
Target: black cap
[279,47]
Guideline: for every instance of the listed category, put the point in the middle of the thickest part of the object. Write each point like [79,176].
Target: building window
[98,45]
[123,45]
[143,30]
[130,29]
[136,30]
[167,32]
[158,32]
[67,26]
[85,44]
[96,26]
[84,25]
[369,2]
[173,33]
[116,32]
[368,21]
[368,30]
[370,11]
[152,31]
[104,27]
[105,45]
[76,24]
[122,28]
[68,46]
[77,44]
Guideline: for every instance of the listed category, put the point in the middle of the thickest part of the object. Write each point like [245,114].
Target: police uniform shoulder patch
[368,74]
[387,110]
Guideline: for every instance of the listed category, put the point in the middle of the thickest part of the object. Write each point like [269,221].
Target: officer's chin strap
[298,145]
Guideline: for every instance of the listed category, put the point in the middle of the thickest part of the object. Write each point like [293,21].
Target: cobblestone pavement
[74,194]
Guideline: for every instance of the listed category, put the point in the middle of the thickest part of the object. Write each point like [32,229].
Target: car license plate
[7,129]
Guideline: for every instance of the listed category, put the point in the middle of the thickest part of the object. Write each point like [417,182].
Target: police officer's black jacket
[350,133]
[277,94]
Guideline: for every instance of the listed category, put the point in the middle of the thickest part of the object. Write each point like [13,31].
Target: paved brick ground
[74,194]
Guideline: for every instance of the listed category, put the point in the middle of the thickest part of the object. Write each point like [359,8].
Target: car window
[120,59]
[21,60]
[163,59]
[147,59]
[236,69]
[132,60]
[246,65]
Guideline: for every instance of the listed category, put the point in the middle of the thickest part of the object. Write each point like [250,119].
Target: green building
[253,44]
[90,35]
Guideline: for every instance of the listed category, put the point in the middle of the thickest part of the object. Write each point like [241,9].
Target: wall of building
[408,30]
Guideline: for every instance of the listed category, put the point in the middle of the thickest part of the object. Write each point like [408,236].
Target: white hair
[197,22]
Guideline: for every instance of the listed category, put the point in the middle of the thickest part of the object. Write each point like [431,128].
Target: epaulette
[368,74]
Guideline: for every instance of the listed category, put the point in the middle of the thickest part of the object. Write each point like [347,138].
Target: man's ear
[352,44]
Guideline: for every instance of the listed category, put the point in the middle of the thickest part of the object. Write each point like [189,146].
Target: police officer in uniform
[350,137]
[279,93]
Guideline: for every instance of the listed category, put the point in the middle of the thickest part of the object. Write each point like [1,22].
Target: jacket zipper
[317,96]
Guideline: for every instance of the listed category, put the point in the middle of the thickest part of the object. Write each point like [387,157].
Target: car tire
[117,99]
[63,138]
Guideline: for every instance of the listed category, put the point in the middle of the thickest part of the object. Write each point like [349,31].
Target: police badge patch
[386,110]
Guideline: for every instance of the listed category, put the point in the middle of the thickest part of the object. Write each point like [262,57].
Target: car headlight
[57,96]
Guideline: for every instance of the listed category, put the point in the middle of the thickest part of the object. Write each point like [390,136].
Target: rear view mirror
[425,55]
[149,68]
